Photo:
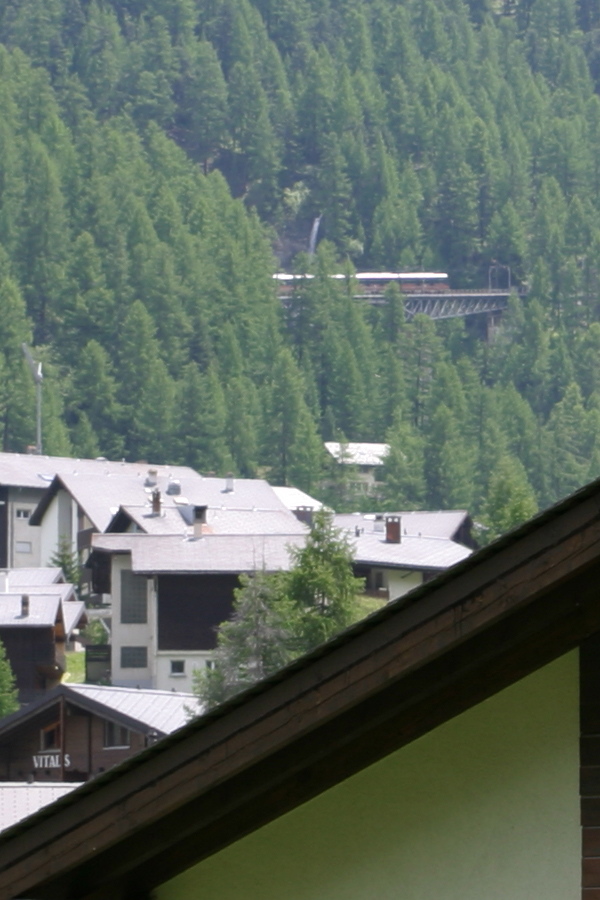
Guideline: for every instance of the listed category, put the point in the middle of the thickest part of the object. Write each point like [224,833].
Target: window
[23,546]
[23,513]
[50,737]
[134,657]
[177,667]
[116,735]
[134,599]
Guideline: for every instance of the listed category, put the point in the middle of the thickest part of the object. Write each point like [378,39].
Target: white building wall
[192,660]
[129,635]
[24,547]
[49,531]
[401,581]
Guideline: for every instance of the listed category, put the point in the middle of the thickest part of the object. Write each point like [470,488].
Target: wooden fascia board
[470,634]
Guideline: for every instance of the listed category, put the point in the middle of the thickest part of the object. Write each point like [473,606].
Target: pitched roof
[418,523]
[411,553]
[29,470]
[162,711]
[36,575]
[102,493]
[137,709]
[482,625]
[44,611]
[45,595]
[425,540]
[211,553]
[74,614]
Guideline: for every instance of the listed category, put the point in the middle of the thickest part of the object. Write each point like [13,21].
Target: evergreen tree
[510,498]
[321,585]
[9,702]
[254,643]
[65,558]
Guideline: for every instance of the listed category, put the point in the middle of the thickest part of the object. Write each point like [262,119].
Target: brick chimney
[392,529]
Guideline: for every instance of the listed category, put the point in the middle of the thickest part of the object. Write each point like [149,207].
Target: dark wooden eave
[485,624]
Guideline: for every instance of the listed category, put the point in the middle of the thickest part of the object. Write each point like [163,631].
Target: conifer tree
[9,702]
[254,643]
[510,498]
[321,585]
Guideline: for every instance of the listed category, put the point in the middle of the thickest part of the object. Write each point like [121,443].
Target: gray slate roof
[211,553]
[74,614]
[19,800]
[29,470]
[30,577]
[102,493]
[43,611]
[254,521]
[442,524]
[425,540]
[411,553]
[43,598]
[228,520]
[162,711]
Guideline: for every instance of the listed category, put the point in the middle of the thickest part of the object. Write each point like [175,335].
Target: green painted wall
[486,807]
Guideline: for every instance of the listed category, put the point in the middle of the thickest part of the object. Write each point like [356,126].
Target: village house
[149,500]
[169,593]
[39,613]
[396,552]
[25,479]
[77,731]
[448,745]
[362,461]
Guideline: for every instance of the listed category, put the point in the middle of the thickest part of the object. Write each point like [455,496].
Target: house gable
[485,806]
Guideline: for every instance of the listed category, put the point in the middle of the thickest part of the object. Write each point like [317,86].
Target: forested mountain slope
[161,158]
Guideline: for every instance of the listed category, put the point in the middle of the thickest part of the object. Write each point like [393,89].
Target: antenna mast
[36,372]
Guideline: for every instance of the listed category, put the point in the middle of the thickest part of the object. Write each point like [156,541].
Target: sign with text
[50,760]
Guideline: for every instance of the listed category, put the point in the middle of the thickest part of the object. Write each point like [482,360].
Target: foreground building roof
[500,615]
[19,800]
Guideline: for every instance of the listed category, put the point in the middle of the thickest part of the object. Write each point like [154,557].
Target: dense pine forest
[160,159]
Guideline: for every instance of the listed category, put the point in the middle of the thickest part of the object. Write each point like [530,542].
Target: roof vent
[151,478]
[229,484]
[24,606]
[379,523]
[174,488]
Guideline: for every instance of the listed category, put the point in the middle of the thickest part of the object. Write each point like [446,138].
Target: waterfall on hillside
[312,243]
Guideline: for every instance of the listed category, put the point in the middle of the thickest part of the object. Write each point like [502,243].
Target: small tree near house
[9,702]
[66,558]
